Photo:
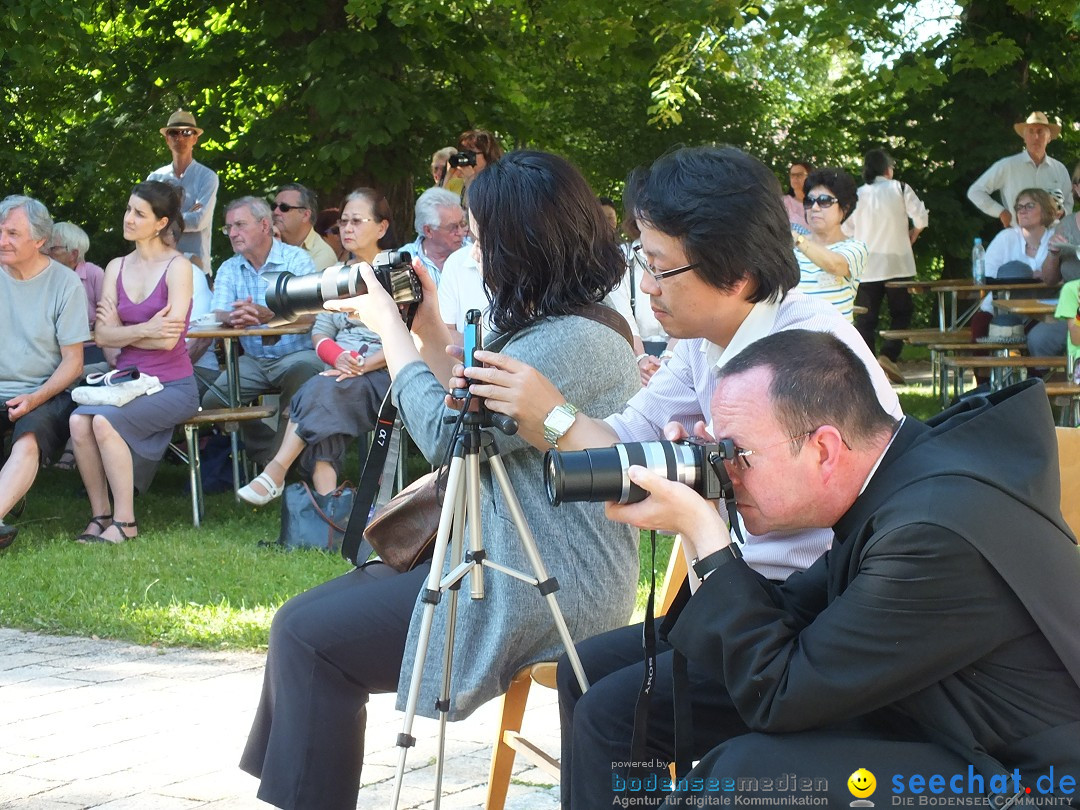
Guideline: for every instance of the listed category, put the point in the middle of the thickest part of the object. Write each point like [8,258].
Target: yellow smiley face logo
[861,783]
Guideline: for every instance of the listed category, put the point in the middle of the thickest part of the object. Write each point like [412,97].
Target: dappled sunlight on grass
[217,625]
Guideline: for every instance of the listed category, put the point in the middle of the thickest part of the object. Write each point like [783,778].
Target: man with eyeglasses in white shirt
[720,274]
[200,186]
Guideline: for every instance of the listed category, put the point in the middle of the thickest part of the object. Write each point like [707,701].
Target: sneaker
[7,534]
[892,371]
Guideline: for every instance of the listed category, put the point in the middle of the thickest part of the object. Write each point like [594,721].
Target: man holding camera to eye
[935,640]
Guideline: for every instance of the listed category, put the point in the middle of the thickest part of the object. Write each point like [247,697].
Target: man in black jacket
[934,645]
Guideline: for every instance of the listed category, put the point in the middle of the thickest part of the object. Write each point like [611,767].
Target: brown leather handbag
[403,531]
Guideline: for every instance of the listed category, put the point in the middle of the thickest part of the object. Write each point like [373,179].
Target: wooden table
[232,359]
[1040,309]
[954,287]
[231,399]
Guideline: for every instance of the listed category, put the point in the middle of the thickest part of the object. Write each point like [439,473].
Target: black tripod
[462,498]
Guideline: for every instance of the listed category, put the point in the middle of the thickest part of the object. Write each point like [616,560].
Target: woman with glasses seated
[342,402]
[333,646]
[830,264]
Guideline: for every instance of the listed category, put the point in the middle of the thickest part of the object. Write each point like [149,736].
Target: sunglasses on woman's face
[823,201]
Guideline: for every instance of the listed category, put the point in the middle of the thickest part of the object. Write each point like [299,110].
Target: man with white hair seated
[440,229]
[42,329]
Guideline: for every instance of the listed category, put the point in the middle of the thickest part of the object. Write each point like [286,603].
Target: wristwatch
[711,562]
[558,421]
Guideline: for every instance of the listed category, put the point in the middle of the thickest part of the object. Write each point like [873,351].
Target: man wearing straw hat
[1032,168]
[200,186]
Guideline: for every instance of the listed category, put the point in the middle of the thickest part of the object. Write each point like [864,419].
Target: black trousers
[330,648]
[597,727]
[870,295]
[813,765]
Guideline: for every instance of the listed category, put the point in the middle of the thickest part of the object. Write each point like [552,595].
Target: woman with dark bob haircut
[546,251]
[830,264]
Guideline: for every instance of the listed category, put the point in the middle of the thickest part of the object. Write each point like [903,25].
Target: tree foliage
[351,92]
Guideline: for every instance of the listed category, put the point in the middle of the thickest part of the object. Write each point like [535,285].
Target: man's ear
[829,446]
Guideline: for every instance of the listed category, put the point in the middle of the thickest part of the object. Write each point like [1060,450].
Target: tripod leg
[457,548]
[430,598]
[545,584]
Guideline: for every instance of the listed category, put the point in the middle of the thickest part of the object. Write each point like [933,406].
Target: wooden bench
[937,369]
[997,366]
[229,420]
[1070,414]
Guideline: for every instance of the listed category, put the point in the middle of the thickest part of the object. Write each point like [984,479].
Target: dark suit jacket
[946,611]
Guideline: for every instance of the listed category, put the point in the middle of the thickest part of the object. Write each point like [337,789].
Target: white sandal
[259,498]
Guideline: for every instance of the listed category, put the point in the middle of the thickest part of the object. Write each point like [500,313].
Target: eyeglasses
[180,133]
[1028,206]
[286,208]
[453,227]
[333,230]
[742,456]
[822,200]
[234,226]
[356,222]
[657,275]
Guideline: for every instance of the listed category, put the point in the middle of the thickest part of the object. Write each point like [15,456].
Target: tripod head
[480,417]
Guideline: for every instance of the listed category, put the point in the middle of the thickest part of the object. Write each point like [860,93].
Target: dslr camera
[290,295]
[466,157]
[600,474]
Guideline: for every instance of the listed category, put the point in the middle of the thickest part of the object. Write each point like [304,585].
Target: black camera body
[600,474]
[290,295]
[466,157]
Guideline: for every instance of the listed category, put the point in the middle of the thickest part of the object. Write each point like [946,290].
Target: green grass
[173,585]
[177,585]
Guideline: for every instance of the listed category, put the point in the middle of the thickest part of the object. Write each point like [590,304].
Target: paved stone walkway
[114,726]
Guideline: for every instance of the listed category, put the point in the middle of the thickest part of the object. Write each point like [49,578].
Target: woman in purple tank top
[143,311]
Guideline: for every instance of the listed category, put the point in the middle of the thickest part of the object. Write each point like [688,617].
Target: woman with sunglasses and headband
[830,264]
[343,401]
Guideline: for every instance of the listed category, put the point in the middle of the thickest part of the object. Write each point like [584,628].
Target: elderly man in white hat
[200,186]
[1031,168]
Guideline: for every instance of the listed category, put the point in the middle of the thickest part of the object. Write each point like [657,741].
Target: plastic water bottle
[978,262]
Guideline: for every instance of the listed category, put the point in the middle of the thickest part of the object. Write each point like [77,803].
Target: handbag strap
[608,317]
[354,547]
[319,510]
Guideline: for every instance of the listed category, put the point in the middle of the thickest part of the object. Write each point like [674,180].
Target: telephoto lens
[289,296]
[600,474]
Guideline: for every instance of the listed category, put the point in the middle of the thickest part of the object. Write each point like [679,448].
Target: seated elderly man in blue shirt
[440,229]
[282,363]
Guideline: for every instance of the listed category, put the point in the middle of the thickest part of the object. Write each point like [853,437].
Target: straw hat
[1036,118]
[182,119]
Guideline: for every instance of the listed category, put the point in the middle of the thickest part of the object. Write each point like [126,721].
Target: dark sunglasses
[286,208]
[181,133]
[823,201]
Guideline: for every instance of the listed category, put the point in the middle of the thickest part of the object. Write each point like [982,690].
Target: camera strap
[680,679]
[354,547]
